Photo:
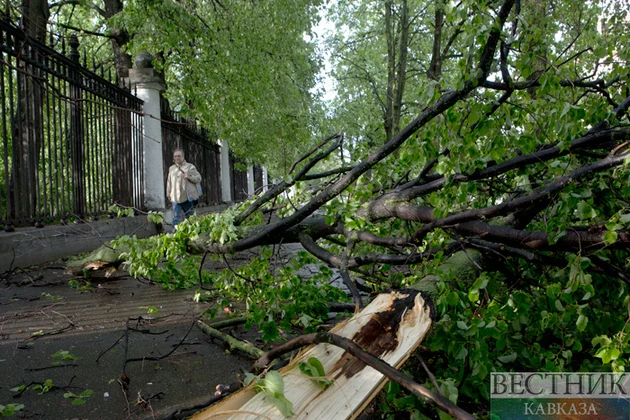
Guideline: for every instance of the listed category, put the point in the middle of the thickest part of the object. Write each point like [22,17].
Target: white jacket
[178,189]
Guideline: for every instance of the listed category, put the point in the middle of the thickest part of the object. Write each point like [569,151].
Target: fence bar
[71,139]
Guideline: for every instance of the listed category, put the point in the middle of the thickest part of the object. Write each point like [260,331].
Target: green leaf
[86,394]
[554,237]
[559,306]
[581,322]
[281,403]
[462,353]
[509,358]
[249,378]
[314,361]
[274,382]
[314,368]
[607,354]
[610,237]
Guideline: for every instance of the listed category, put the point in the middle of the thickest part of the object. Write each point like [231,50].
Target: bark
[397,36]
[435,67]
[120,38]
[538,10]
[35,14]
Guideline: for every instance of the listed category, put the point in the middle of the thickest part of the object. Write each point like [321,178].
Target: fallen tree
[516,229]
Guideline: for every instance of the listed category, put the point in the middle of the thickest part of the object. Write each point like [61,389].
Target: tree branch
[446,101]
[541,194]
[353,349]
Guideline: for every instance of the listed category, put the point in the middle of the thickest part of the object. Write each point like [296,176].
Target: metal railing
[238,178]
[258,179]
[71,140]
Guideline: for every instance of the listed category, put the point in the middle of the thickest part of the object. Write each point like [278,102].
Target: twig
[203,260]
[252,351]
[142,359]
[54,332]
[353,349]
[110,347]
[51,367]
[313,150]
[430,375]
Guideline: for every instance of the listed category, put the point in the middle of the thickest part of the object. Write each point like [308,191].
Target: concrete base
[29,246]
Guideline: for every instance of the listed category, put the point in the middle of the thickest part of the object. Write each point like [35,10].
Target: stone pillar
[148,84]
[265,180]
[250,181]
[226,185]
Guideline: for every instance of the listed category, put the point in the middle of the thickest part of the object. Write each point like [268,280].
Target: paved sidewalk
[42,318]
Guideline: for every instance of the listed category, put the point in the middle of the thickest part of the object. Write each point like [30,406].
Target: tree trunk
[397,35]
[390,328]
[435,67]
[120,37]
[35,14]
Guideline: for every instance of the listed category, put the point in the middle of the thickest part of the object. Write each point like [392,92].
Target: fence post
[148,84]
[226,187]
[250,181]
[265,182]
[76,130]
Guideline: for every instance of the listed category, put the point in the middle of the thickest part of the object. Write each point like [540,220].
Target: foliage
[52,297]
[315,370]
[121,211]
[272,385]
[150,309]
[156,217]
[78,399]
[80,285]
[277,297]
[47,386]
[246,70]
[10,409]
[63,356]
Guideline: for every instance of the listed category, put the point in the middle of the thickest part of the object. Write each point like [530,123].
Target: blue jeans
[181,211]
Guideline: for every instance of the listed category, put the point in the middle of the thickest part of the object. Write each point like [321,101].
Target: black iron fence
[179,133]
[238,179]
[71,140]
[258,179]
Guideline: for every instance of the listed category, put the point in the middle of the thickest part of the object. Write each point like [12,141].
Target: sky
[326,84]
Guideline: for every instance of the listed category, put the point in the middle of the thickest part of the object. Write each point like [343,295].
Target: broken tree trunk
[390,328]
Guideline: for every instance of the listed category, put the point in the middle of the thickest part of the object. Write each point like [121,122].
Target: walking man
[181,186]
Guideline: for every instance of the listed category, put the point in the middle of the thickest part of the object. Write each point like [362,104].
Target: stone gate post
[226,185]
[148,84]
[250,181]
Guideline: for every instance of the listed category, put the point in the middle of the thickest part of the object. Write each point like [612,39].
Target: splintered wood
[390,328]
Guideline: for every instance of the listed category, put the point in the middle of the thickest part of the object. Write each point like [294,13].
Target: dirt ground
[68,346]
